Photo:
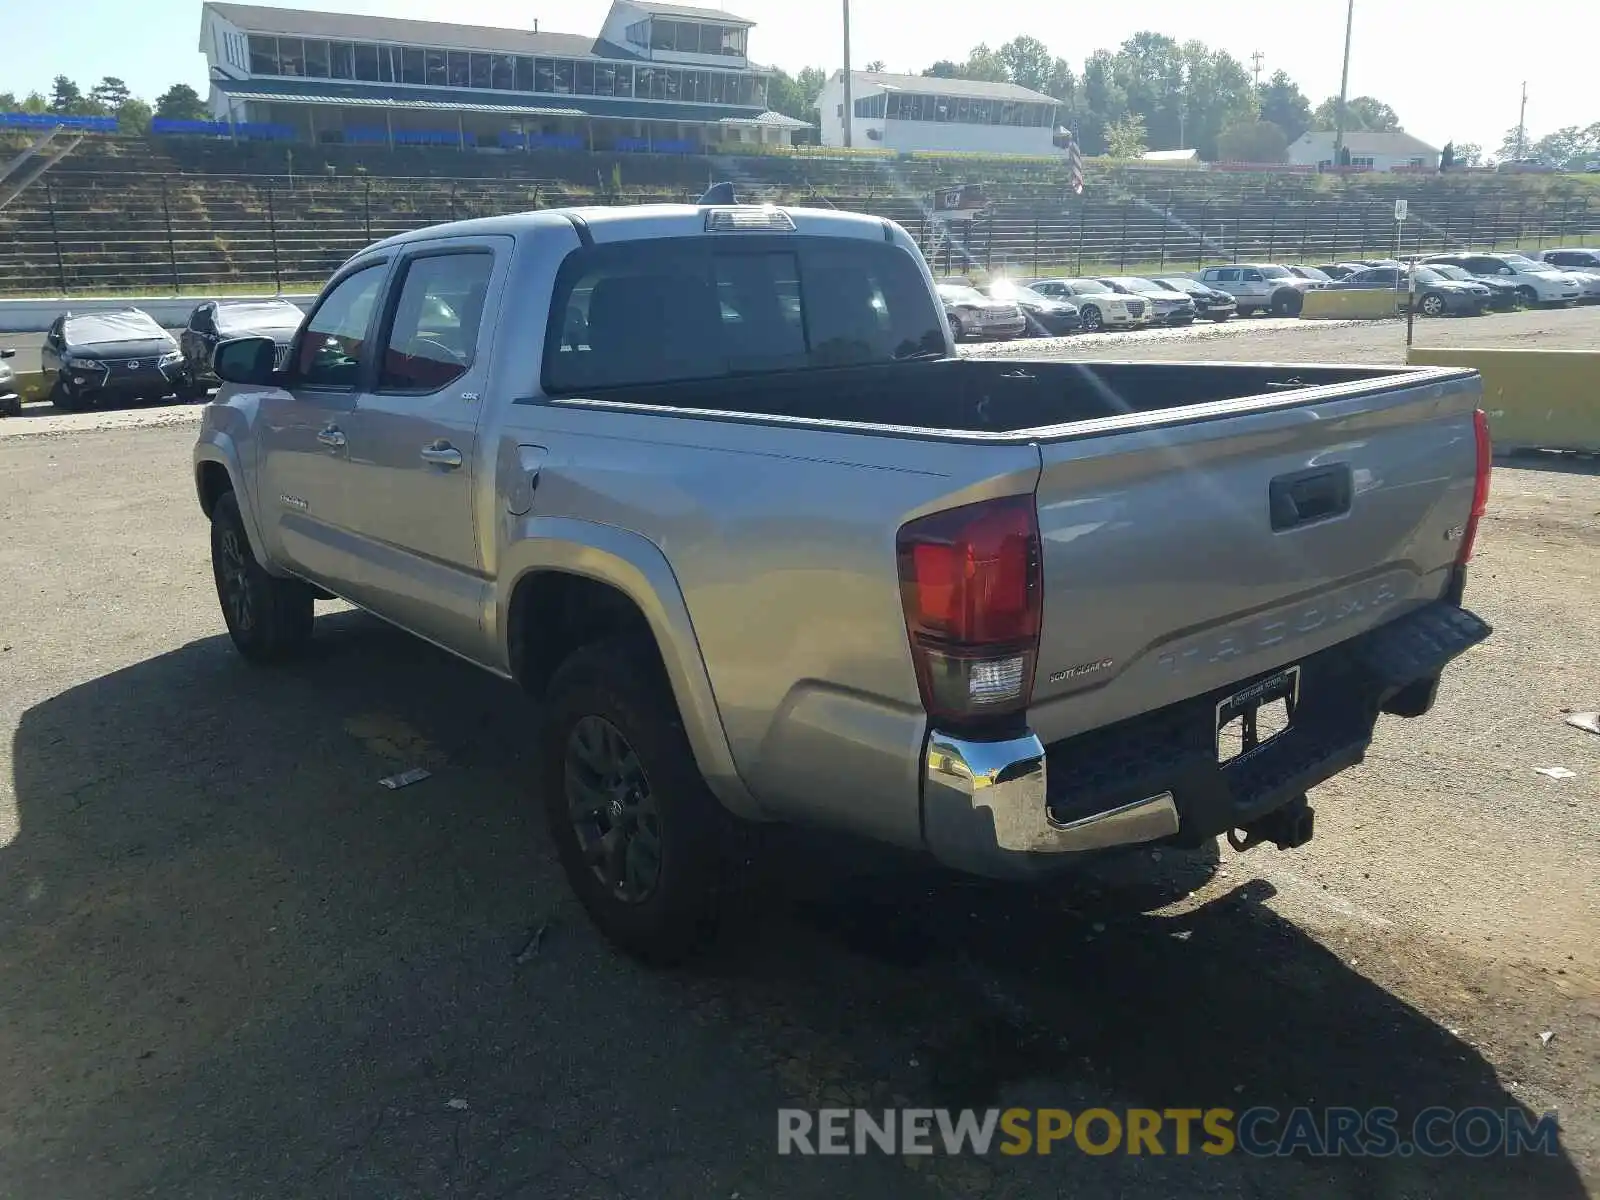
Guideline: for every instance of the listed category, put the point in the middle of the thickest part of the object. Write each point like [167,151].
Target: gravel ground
[231,965]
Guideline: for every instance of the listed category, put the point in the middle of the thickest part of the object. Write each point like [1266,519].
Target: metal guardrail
[88,233]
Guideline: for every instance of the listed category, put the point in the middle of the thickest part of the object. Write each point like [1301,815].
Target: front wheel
[643,842]
[1432,305]
[1221,318]
[1288,303]
[269,619]
[63,401]
[1527,297]
[1093,322]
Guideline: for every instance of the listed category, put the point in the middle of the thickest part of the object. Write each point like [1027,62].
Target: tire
[1527,297]
[957,329]
[613,729]
[1287,303]
[60,400]
[1093,322]
[1222,319]
[1431,305]
[190,391]
[269,619]
[11,407]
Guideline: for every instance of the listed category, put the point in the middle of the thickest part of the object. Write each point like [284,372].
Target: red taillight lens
[970,583]
[1480,486]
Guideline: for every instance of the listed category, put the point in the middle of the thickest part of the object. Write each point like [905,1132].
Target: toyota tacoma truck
[710,483]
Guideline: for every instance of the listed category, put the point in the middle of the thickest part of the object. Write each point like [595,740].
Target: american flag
[1075,165]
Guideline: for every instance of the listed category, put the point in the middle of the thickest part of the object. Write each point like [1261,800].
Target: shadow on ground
[230,964]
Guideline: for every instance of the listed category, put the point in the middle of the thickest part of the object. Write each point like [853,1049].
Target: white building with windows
[916,112]
[658,77]
[1369,150]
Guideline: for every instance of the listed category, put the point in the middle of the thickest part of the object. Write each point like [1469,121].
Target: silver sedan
[1589,281]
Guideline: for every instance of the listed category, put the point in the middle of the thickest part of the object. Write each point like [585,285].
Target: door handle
[442,454]
[332,437]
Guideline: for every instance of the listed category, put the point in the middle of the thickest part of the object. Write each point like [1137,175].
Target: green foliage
[1283,103]
[133,116]
[1363,112]
[796,95]
[1126,138]
[111,93]
[180,102]
[1253,142]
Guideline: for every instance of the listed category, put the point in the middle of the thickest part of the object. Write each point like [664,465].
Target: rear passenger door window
[333,345]
[432,335]
[1228,275]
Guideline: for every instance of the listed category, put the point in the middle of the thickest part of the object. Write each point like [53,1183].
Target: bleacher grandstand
[175,212]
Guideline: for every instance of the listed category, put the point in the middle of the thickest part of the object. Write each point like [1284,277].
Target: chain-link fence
[93,233]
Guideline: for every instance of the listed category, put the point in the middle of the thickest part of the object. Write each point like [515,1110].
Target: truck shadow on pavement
[231,964]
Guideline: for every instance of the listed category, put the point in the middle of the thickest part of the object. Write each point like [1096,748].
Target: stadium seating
[188,211]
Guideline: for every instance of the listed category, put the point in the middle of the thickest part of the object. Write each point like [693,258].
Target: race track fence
[88,233]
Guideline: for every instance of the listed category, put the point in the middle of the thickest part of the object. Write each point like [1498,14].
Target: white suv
[1536,282]
[1260,287]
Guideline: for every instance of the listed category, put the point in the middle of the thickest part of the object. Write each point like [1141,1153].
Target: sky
[1498,44]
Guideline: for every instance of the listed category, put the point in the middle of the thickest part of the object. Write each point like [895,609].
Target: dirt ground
[232,965]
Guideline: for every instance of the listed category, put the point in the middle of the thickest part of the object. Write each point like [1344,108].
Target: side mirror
[245,360]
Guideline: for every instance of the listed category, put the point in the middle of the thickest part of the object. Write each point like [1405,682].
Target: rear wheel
[643,842]
[1093,322]
[958,329]
[1432,305]
[269,619]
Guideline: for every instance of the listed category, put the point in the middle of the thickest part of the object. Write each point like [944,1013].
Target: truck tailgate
[1180,558]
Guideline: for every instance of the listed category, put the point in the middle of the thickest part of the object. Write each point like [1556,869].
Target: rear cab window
[670,310]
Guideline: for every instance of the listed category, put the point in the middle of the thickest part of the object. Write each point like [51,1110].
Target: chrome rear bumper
[984,810]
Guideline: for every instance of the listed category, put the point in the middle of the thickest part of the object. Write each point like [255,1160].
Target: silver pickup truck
[709,482]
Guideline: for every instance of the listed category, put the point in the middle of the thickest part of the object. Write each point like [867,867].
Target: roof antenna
[719,193]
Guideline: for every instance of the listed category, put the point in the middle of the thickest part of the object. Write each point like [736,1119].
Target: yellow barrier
[1536,399]
[1358,304]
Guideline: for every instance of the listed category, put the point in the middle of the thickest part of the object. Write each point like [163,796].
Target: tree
[876,67]
[1283,103]
[8,102]
[65,96]
[1105,102]
[943,69]
[794,95]
[35,103]
[1216,94]
[110,92]
[1027,63]
[1253,142]
[1468,154]
[180,102]
[982,63]
[1150,69]
[1126,138]
[1363,112]
[1570,148]
[1447,157]
[133,116]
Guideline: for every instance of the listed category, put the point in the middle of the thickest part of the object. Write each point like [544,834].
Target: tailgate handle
[1309,496]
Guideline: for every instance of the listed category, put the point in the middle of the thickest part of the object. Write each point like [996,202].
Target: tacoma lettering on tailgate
[1282,626]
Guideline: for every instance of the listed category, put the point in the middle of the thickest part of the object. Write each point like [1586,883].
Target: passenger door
[304,497]
[414,444]
[50,352]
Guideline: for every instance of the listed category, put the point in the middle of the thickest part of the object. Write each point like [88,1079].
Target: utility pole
[1256,58]
[1522,124]
[849,103]
[1344,87]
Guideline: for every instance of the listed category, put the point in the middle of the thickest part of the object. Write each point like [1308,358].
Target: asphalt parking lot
[232,965]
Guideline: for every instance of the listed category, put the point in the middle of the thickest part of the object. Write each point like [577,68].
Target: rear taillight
[970,582]
[1480,486]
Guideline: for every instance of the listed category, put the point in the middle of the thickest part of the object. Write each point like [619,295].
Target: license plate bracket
[1250,720]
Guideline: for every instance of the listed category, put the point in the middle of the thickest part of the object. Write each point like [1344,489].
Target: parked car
[1536,283]
[1208,302]
[1437,295]
[1582,265]
[974,315]
[1260,287]
[1098,306]
[10,400]
[1047,316]
[1339,270]
[1165,308]
[1314,274]
[998,634]
[95,358]
[1503,296]
[218,320]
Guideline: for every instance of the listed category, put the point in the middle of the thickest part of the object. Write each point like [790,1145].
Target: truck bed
[1008,396]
